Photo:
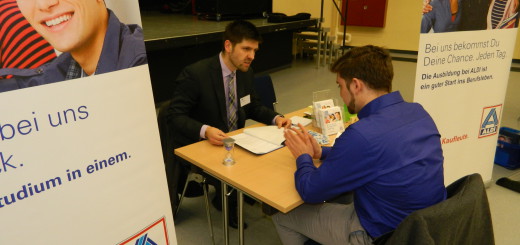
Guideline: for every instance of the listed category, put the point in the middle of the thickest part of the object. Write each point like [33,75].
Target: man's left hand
[283,122]
[298,143]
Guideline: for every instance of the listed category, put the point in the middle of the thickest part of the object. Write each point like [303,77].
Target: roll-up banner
[80,155]
[463,64]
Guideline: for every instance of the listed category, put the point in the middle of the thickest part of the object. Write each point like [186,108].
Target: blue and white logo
[490,121]
[145,240]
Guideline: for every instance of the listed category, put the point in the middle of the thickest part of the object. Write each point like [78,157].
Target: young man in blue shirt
[391,160]
[91,37]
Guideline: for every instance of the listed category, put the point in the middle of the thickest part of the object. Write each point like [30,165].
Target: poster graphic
[91,42]
[155,234]
[465,52]
[81,159]
[490,121]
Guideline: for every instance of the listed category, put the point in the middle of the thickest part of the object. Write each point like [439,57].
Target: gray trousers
[326,223]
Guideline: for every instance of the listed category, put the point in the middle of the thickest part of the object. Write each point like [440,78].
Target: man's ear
[228,46]
[357,85]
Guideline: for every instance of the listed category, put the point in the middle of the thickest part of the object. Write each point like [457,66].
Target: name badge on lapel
[245,100]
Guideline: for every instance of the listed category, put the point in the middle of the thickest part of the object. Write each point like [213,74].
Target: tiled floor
[294,87]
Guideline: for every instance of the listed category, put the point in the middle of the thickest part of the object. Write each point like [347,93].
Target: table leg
[225,212]
[240,217]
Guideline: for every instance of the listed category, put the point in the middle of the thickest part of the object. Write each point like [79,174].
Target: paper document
[302,120]
[260,140]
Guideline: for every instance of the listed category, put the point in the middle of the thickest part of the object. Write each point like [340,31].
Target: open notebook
[260,140]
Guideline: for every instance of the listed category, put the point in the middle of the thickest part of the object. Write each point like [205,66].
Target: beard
[240,66]
[351,106]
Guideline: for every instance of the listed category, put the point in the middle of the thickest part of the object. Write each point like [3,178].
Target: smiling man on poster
[91,37]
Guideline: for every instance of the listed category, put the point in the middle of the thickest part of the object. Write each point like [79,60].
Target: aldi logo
[489,121]
[153,234]
[145,240]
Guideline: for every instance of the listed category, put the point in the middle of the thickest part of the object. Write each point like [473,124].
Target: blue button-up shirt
[440,18]
[391,159]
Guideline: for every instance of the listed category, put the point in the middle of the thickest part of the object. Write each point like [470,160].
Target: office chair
[265,90]
[174,169]
[463,218]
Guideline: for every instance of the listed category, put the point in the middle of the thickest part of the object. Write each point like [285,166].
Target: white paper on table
[260,140]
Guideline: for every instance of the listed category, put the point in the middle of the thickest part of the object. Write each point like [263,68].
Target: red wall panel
[365,12]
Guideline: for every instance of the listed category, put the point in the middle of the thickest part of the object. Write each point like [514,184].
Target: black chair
[174,169]
[265,90]
[196,176]
[464,218]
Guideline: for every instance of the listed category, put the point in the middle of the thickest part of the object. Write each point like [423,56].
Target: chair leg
[208,212]
[192,176]
[201,180]
[188,179]
[326,48]
[318,53]
[332,49]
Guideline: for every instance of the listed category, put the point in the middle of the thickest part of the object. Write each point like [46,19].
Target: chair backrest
[265,90]
[463,218]
[173,170]
[164,131]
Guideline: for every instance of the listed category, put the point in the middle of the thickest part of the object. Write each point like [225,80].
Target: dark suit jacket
[199,99]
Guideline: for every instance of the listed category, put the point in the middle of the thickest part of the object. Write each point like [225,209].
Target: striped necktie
[232,107]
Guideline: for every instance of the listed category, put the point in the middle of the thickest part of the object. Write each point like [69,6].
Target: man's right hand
[215,136]
[315,146]
[300,142]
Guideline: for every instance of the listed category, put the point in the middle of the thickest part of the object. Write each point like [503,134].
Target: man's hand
[282,122]
[215,136]
[315,146]
[301,142]
[426,6]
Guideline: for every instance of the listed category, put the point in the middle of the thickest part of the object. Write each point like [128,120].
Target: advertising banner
[463,68]
[80,155]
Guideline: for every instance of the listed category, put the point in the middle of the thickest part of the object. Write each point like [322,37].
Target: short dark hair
[371,64]
[239,30]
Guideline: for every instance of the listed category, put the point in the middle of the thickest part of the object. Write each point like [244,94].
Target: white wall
[127,13]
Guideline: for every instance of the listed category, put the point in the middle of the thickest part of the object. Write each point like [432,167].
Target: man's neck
[227,62]
[370,96]
[88,54]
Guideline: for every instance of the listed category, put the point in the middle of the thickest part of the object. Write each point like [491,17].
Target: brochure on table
[328,117]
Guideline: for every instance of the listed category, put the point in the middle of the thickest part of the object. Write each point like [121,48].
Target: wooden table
[268,178]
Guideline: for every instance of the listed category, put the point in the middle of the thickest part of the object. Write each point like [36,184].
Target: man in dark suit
[216,95]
